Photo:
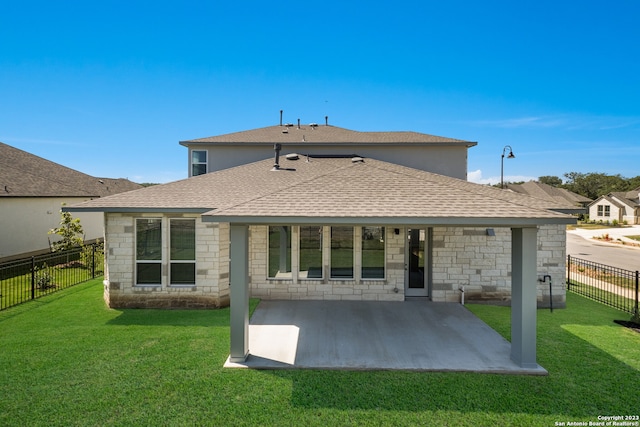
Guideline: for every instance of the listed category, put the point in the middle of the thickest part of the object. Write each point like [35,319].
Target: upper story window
[198,162]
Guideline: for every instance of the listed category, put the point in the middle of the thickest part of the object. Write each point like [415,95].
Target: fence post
[636,313]
[33,277]
[93,261]
[568,271]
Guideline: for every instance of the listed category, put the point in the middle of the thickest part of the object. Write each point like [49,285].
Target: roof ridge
[284,188]
[466,185]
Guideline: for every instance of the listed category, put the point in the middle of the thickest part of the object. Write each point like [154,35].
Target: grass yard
[67,359]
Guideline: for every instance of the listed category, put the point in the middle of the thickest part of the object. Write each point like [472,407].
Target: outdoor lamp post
[510,156]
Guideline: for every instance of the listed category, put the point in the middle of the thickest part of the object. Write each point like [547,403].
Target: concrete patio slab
[372,335]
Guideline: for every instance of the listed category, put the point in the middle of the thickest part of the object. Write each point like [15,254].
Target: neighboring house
[553,194]
[322,222]
[619,206]
[32,191]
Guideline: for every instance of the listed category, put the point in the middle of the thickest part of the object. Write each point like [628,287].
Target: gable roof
[333,189]
[325,135]
[548,192]
[25,175]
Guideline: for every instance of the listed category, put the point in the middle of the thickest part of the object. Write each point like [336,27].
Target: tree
[70,231]
[553,181]
[594,184]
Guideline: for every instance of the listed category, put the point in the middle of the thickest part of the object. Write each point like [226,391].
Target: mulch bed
[628,324]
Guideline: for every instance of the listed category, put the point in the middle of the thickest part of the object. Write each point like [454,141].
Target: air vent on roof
[292,156]
[285,130]
[357,160]
[313,125]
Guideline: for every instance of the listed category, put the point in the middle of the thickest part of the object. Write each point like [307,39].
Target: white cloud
[476,176]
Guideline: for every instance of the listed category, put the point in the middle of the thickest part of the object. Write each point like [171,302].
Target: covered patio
[402,198]
[375,335]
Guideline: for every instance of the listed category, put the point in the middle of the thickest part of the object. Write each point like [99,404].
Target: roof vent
[292,156]
[313,125]
[276,163]
[357,160]
[285,130]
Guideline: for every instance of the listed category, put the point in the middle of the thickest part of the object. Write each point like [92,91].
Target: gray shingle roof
[547,192]
[25,175]
[324,134]
[322,188]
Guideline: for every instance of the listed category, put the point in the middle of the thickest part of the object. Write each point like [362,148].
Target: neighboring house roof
[548,192]
[25,175]
[334,189]
[324,135]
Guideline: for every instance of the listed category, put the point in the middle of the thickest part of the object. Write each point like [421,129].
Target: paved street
[581,244]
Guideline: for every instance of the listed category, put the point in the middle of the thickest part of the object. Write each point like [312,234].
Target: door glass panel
[416,239]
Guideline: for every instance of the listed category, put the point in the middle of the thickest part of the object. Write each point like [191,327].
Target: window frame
[607,210]
[331,254]
[193,163]
[171,261]
[289,254]
[384,253]
[300,271]
[138,261]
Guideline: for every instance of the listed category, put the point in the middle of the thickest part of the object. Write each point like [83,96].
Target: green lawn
[66,359]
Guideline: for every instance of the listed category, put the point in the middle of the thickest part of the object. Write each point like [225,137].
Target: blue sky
[109,88]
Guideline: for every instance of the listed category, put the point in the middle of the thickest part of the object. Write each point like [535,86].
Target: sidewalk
[617,233]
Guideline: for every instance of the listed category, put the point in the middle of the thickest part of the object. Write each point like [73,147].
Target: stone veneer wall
[467,256]
[212,264]
[389,289]
[461,256]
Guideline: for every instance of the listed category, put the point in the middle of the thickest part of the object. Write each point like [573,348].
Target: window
[342,252]
[198,162]
[148,251]
[373,253]
[310,257]
[607,210]
[182,250]
[280,252]
[600,209]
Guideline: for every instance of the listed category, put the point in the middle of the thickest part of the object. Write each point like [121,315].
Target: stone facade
[212,267]
[461,257]
[482,264]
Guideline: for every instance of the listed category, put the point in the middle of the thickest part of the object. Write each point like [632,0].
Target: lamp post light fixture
[510,156]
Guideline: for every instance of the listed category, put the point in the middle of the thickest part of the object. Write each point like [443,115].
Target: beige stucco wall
[450,161]
[25,221]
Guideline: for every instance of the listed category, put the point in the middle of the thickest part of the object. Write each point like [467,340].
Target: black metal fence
[29,278]
[612,286]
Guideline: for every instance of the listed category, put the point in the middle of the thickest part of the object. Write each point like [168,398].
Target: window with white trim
[372,253]
[310,252]
[198,162]
[342,251]
[148,251]
[279,252]
[182,251]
